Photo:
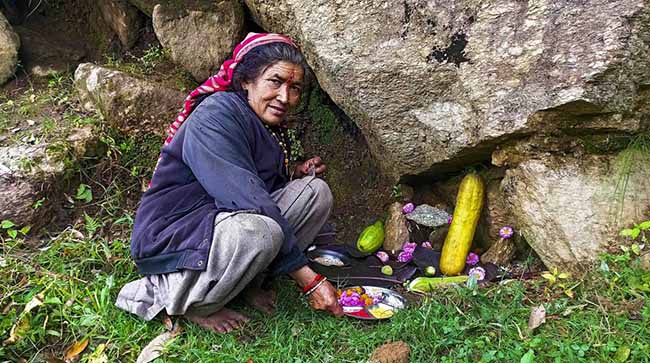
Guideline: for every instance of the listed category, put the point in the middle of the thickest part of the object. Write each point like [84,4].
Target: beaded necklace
[283,146]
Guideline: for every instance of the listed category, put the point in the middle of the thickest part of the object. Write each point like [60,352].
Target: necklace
[283,146]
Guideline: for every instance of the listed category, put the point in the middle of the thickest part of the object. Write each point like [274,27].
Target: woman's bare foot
[260,299]
[223,321]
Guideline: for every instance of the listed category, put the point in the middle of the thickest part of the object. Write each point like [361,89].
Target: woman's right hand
[324,298]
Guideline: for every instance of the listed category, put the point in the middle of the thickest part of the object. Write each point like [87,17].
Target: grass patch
[80,276]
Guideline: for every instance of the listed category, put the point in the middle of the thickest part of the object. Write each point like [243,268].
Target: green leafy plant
[12,229]
[84,193]
[555,278]
[636,231]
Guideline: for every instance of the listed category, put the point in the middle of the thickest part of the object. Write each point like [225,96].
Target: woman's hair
[258,59]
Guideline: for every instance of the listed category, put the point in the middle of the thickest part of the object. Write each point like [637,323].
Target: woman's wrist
[303,276]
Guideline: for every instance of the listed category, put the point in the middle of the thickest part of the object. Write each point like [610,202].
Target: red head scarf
[222,80]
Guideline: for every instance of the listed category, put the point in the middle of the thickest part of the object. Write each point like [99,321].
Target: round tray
[391,301]
[322,256]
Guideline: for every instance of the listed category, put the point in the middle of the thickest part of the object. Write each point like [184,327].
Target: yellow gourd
[463,225]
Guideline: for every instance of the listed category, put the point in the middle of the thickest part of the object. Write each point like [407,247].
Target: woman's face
[275,91]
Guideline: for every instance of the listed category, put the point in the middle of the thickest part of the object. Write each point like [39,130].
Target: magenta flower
[408,208]
[409,247]
[382,256]
[353,299]
[472,259]
[405,256]
[479,272]
[449,219]
[426,244]
[506,232]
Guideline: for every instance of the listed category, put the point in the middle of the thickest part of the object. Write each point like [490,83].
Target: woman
[221,211]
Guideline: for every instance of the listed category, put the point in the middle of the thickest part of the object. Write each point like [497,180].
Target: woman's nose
[283,94]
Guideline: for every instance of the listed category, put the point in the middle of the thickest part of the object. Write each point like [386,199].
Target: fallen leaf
[98,356]
[622,353]
[18,330]
[573,308]
[154,348]
[250,361]
[36,301]
[537,317]
[73,351]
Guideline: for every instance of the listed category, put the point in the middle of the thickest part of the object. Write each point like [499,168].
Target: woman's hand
[303,169]
[324,297]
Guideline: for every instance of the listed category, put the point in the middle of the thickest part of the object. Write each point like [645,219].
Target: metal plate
[328,258]
[391,302]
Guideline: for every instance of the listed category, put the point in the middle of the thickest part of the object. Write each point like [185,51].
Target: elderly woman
[222,210]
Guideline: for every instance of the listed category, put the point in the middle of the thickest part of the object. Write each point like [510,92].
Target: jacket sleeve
[217,148]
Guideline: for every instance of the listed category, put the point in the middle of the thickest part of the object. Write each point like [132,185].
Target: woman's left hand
[303,169]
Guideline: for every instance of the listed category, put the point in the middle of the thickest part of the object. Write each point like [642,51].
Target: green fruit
[427,284]
[371,238]
[387,270]
[430,271]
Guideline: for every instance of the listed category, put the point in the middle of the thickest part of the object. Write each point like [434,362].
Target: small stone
[428,216]
[395,352]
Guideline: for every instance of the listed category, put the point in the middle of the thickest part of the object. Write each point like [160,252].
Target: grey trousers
[243,246]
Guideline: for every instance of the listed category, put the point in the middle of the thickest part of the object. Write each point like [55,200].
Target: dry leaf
[18,330]
[37,300]
[155,346]
[73,351]
[98,356]
[537,317]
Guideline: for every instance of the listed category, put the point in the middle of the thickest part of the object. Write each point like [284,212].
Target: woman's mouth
[278,111]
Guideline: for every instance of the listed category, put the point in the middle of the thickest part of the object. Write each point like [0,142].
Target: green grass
[80,277]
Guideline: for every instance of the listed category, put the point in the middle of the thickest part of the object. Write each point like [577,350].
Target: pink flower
[409,247]
[382,256]
[408,208]
[479,272]
[506,232]
[426,244]
[472,259]
[405,256]
[449,219]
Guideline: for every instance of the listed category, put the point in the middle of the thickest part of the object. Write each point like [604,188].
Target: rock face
[124,101]
[123,18]
[569,207]
[28,173]
[436,84]
[200,38]
[9,45]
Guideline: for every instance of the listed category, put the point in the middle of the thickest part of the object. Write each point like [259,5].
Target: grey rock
[9,45]
[428,216]
[434,85]
[28,173]
[123,18]
[45,53]
[200,38]
[570,208]
[126,102]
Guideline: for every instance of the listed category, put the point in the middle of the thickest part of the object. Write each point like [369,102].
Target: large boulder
[124,101]
[201,37]
[570,207]
[123,18]
[9,45]
[28,173]
[435,84]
